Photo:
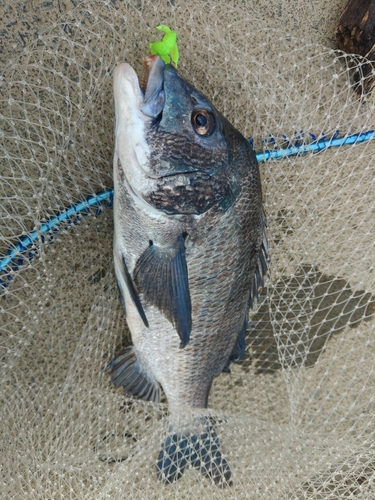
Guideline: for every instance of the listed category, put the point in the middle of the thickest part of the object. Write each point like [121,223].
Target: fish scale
[189,251]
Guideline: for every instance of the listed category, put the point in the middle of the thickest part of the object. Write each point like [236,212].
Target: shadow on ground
[308,309]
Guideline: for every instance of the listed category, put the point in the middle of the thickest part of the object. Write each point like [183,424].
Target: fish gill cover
[295,418]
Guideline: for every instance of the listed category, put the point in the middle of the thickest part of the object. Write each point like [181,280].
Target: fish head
[190,116]
[171,144]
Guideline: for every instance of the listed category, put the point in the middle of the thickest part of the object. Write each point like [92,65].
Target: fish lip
[151,83]
[150,101]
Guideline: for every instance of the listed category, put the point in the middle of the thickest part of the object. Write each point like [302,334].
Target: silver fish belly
[189,252]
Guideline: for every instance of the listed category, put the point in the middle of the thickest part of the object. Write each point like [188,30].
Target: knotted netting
[296,416]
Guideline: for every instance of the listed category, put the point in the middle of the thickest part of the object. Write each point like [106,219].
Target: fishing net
[295,417]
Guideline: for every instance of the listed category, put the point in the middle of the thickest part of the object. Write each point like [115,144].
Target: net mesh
[295,418]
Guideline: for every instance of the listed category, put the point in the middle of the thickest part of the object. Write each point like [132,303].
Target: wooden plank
[355,34]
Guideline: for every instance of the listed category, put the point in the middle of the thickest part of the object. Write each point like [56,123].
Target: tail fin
[202,452]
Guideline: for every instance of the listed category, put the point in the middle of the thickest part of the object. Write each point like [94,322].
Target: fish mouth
[140,104]
[145,94]
[151,82]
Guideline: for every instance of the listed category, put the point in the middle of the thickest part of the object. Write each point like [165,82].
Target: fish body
[189,253]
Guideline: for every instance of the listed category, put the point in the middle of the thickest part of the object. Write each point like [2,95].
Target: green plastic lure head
[167,48]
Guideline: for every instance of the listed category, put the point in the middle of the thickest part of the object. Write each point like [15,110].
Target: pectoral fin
[162,276]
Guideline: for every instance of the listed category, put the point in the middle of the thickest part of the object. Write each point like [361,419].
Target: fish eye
[203,122]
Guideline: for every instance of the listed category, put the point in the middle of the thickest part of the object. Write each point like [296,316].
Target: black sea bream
[189,253]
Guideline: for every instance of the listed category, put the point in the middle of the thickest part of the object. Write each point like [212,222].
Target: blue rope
[297,149]
[316,146]
[26,241]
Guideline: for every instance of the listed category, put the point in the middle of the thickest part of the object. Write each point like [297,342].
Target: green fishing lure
[167,48]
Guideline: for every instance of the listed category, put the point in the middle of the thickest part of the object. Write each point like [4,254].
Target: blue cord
[298,149]
[316,146]
[26,241]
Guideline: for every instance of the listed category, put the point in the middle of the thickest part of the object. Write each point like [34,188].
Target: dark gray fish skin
[189,241]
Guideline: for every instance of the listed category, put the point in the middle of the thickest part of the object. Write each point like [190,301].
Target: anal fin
[239,349]
[126,371]
[162,276]
[261,268]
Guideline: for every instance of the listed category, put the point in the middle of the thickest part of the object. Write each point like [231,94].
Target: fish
[190,254]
